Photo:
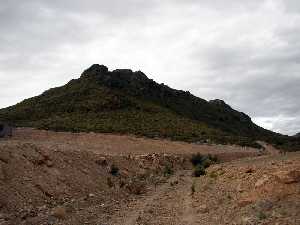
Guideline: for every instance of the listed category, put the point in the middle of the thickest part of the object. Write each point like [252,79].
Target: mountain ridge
[297,135]
[138,84]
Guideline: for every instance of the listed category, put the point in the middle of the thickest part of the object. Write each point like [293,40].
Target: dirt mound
[36,180]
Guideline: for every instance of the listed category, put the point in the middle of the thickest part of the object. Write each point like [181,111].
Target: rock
[288,177]
[91,195]
[51,220]
[248,220]
[85,171]
[262,181]
[124,173]
[244,202]
[27,212]
[173,183]
[102,161]
[3,216]
[141,164]
[42,208]
[59,212]
[4,157]
[202,209]
[2,173]
[264,205]
[249,170]
[41,159]
[239,188]
[95,70]
[49,163]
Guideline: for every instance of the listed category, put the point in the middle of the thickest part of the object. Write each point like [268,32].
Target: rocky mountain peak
[95,69]
[120,76]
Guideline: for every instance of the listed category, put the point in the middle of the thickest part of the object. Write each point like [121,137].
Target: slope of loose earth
[252,191]
[65,178]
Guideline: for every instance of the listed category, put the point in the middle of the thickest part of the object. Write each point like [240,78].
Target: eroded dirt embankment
[34,180]
[64,178]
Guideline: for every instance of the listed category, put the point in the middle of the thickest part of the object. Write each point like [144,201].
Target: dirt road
[112,144]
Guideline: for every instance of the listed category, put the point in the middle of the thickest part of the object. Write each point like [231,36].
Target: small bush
[203,160]
[213,175]
[206,163]
[199,171]
[213,158]
[193,188]
[197,159]
[168,170]
[114,170]
[261,216]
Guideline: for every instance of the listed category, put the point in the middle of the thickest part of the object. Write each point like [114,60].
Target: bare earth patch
[64,178]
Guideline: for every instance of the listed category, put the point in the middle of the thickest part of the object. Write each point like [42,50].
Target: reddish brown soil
[65,178]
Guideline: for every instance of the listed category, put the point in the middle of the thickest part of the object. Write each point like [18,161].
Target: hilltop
[127,102]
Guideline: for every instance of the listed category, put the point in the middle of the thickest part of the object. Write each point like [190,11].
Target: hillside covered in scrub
[127,102]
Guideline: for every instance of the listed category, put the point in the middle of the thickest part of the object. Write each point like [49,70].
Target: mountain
[123,101]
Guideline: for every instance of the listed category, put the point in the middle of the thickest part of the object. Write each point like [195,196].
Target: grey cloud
[245,52]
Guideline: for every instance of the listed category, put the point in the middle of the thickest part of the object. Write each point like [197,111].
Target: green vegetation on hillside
[128,102]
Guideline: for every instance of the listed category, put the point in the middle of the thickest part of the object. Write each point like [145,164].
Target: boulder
[288,177]
[203,209]
[244,202]
[59,212]
[262,181]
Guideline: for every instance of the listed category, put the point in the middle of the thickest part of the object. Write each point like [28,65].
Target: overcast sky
[244,52]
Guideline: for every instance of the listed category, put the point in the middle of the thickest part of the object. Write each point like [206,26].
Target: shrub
[114,170]
[197,159]
[213,158]
[193,188]
[261,215]
[168,170]
[203,160]
[213,175]
[206,163]
[199,171]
